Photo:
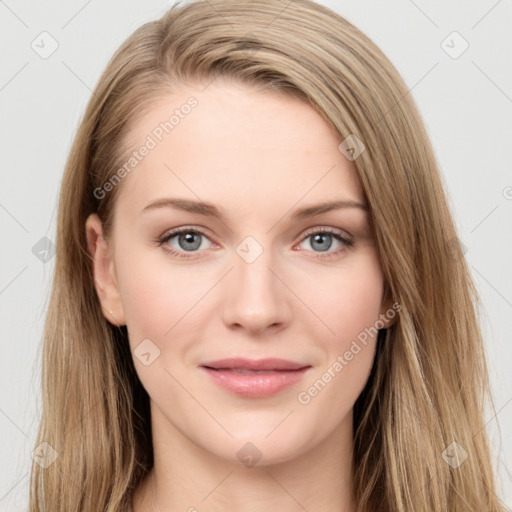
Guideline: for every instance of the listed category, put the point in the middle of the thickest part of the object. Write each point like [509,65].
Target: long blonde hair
[429,382]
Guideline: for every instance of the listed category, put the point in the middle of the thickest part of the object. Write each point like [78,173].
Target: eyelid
[195,228]
[327,229]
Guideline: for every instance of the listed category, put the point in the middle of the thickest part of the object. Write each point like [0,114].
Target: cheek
[350,350]
[155,296]
[347,300]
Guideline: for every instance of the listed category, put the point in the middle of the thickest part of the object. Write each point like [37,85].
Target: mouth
[255,378]
[255,365]
[247,372]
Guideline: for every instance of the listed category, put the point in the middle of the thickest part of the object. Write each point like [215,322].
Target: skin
[258,156]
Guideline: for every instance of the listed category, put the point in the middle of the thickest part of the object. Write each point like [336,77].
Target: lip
[239,376]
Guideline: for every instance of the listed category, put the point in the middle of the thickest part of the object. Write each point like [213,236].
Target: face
[258,280]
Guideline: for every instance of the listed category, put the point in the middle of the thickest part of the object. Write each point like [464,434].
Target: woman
[317,345]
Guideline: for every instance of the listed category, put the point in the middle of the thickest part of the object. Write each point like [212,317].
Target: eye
[321,240]
[187,240]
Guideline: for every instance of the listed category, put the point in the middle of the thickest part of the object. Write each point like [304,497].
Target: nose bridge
[257,299]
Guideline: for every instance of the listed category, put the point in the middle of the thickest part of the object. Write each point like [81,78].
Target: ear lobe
[104,271]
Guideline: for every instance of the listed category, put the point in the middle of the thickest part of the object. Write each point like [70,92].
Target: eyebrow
[210,210]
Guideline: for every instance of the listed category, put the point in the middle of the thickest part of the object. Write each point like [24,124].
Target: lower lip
[257,385]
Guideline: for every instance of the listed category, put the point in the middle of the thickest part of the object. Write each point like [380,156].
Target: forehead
[229,143]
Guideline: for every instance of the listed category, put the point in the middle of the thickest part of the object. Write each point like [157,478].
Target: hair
[429,382]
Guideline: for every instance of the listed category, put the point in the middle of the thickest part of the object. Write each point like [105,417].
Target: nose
[257,298]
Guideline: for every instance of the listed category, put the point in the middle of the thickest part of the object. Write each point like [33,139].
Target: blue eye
[322,239]
[189,240]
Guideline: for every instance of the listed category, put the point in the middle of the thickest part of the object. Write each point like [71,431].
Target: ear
[104,271]
[388,311]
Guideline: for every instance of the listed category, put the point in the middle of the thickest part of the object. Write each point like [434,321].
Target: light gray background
[466,103]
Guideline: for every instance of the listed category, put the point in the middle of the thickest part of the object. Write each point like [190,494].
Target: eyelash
[347,243]
[185,229]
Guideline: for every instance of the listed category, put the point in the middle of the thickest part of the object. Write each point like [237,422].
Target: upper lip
[254,364]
